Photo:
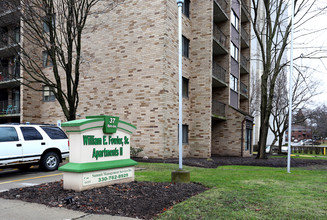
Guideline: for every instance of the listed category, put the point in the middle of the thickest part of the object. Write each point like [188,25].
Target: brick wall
[130,70]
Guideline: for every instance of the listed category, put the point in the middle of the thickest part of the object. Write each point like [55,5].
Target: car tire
[50,161]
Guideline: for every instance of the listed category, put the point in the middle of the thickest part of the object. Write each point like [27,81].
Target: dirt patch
[136,199]
[214,162]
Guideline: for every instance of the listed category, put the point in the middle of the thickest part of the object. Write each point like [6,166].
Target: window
[233,83]
[8,134]
[46,22]
[54,132]
[16,71]
[185,87]
[46,59]
[185,134]
[186,45]
[48,95]
[248,139]
[17,35]
[234,51]
[31,133]
[186,8]
[235,20]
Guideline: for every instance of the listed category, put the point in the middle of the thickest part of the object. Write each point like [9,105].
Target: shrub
[135,151]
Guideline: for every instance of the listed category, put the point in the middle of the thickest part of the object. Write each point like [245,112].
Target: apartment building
[9,64]
[130,70]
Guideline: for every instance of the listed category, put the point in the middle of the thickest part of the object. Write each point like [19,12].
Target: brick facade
[130,70]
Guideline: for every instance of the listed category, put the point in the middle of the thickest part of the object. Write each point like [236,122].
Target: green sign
[110,123]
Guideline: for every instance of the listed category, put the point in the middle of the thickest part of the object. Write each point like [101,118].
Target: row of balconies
[219,108]
[220,45]
[220,39]
[219,79]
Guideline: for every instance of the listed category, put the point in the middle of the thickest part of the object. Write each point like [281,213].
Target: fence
[308,150]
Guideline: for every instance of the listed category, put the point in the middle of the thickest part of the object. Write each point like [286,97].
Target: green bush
[135,151]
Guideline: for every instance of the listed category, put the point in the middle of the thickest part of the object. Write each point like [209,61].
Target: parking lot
[14,178]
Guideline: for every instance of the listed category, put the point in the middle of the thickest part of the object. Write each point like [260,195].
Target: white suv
[22,145]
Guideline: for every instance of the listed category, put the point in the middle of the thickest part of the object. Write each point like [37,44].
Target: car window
[8,134]
[31,133]
[54,132]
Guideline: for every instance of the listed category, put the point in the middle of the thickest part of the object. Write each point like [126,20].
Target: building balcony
[9,50]
[9,12]
[9,109]
[219,41]
[246,11]
[218,76]
[244,91]
[219,11]
[218,110]
[244,65]
[9,41]
[245,38]
[9,78]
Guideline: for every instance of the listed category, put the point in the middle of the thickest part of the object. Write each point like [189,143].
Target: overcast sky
[317,41]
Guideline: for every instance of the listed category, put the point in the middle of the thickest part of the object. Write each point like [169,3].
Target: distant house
[299,132]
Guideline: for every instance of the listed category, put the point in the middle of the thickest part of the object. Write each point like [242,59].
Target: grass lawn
[244,192]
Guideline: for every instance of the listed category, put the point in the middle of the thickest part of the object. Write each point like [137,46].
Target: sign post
[99,153]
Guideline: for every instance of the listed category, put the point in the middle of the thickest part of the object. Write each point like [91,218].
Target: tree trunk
[262,142]
[280,143]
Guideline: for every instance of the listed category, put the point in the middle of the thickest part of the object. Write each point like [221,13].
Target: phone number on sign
[113,177]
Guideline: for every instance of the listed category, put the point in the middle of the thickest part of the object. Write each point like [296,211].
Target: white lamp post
[290,97]
[180,74]
[180,175]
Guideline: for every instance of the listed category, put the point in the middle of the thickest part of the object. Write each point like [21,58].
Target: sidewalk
[19,210]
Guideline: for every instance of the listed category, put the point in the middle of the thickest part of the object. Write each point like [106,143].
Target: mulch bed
[214,162]
[142,200]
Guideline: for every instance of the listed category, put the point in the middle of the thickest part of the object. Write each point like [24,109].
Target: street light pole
[180,175]
[180,73]
[290,96]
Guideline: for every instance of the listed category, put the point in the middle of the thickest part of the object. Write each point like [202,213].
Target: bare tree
[318,121]
[54,28]
[254,95]
[272,32]
[304,89]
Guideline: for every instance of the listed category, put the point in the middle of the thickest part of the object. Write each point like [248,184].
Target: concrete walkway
[19,210]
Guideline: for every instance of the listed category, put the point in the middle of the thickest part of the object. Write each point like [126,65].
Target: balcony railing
[246,12]
[7,39]
[9,109]
[218,72]
[219,36]
[245,36]
[6,76]
[222,3]
[8,6]
[244,64]
[218,108]
[244,89]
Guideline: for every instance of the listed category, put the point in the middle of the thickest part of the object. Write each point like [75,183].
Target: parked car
[24,145]
[308,142]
